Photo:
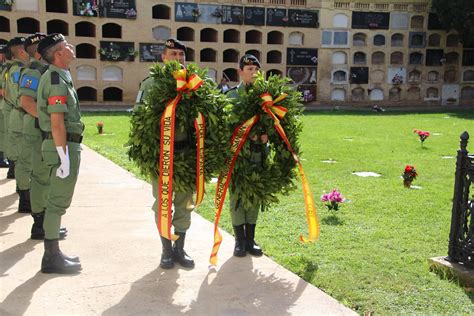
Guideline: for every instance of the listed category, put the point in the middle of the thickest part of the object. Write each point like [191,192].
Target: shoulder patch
[29,82]
[54,77]
[15,76]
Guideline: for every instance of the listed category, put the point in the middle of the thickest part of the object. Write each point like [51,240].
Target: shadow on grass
[306,269]
[332,220]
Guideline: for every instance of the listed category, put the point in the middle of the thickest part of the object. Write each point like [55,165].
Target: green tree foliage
[457,15]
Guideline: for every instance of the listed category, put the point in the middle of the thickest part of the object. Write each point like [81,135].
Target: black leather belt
[70,137]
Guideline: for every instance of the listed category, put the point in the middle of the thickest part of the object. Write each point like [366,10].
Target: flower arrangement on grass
[100,127]
[423,135]
[333,199]
[408,175]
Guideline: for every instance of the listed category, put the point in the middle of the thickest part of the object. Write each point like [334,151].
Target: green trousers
[241,215]
[238,213]
[39,184]
[18,150]
[6,119]
[61,191]
[2,128]
[182,205]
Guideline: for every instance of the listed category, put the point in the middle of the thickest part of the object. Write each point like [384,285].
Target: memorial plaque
[254,16]
[302,75]
[119,9]
[370,20]
[117,51]
[232,14]
[150,52]
[210,14]
[276,17]
[308,93]
[303,18]
[85,8]
[302,56]
[434,57]
[6,7]
[359,75]
[186,12]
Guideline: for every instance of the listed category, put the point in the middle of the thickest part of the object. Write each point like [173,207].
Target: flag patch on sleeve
[29,82]
[16,77]
[58,99]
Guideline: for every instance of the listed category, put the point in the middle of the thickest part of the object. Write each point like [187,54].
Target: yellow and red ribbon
[165,166]
[273,110]
[237,141]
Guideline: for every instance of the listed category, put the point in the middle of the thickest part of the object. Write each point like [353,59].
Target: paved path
[112,229]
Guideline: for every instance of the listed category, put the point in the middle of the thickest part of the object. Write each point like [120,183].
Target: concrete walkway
[112,229]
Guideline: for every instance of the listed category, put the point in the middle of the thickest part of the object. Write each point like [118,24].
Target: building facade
[349,52]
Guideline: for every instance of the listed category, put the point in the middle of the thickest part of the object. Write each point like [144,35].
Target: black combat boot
[24,205]
[3,161]
[37,231]
[239,248]
[166,261]
[179,254]
[11,169]
[252,247]
[54,260]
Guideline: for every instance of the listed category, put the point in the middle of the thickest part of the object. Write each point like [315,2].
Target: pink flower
[332,199]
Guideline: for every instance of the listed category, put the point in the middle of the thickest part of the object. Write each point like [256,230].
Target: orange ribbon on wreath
[165,166]
[273,110]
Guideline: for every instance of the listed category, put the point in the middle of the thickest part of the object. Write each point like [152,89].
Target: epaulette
[54,77]
[42,69]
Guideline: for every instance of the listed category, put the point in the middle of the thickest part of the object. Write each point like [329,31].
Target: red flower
[410,173]
[423,135]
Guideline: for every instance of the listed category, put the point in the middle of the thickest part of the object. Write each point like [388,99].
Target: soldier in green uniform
[60,121]
[3,66]
[244,220]
[30,153]
[10,90]
[15,121]
[183,201]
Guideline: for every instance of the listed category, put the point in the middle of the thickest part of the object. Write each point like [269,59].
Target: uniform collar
[62,73]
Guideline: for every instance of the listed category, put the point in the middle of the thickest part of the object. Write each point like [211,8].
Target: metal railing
[461,237]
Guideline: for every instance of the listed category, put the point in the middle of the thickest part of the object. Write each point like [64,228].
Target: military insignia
[16,77]
[54,77]
[57,99]
[29,82]
[169,44]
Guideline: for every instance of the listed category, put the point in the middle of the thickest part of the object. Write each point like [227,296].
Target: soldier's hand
[63,169]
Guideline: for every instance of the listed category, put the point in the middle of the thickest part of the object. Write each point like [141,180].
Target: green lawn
[372,255]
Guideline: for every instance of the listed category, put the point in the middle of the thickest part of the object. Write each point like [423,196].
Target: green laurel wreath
[144,137]
[257,185]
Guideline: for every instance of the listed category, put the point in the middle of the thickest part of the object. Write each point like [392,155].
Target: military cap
[49,41]
[249,60]
[16,41]
[175,44]
[3,48]
[34,39]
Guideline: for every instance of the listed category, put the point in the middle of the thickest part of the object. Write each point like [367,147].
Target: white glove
[63,170]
